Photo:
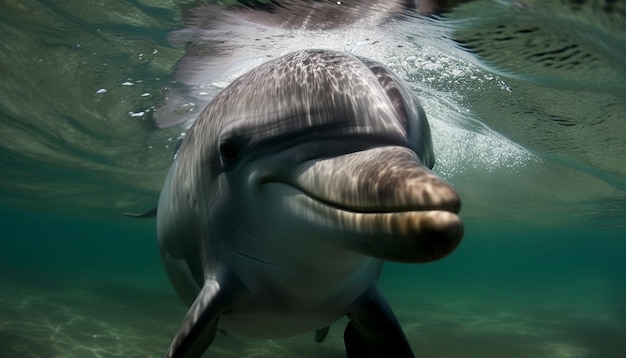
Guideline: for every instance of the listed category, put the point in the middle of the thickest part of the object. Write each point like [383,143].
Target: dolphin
[290,190]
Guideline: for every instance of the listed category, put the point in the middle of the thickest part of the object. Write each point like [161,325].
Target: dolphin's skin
[289,191]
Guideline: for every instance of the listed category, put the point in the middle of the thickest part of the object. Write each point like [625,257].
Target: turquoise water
[76,288]
[531,136]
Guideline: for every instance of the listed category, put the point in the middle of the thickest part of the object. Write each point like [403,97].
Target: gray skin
[289,191]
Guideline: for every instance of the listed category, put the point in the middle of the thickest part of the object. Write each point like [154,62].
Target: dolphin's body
[289,191]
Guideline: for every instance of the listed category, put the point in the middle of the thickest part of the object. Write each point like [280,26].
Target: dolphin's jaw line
[401,236]
[374,209]
[381,202]
[375,180]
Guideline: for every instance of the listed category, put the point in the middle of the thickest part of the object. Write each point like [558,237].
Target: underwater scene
[526,102]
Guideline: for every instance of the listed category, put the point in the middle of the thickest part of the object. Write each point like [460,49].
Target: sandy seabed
[124,318]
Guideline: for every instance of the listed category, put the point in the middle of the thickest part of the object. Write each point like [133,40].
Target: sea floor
[86,315]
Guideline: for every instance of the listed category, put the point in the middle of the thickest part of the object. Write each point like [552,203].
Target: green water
[536,153]
[76,288]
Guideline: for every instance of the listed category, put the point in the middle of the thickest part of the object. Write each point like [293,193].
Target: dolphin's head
[315,148]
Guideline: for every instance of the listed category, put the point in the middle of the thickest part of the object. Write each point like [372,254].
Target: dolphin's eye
[229,151]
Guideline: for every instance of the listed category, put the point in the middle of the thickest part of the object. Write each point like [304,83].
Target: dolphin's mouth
[386,179]
[387,203]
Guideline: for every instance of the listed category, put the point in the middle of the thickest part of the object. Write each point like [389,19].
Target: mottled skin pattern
[290,189]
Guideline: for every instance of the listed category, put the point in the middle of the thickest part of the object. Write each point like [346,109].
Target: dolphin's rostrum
[289,191]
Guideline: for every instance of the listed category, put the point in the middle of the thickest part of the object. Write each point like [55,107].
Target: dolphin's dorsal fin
[146,214]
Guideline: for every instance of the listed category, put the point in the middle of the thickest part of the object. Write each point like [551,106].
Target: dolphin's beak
[398,209]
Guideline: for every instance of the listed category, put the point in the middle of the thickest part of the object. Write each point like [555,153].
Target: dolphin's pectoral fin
[321,334]
[146,214]
[199,326]
[373,330]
